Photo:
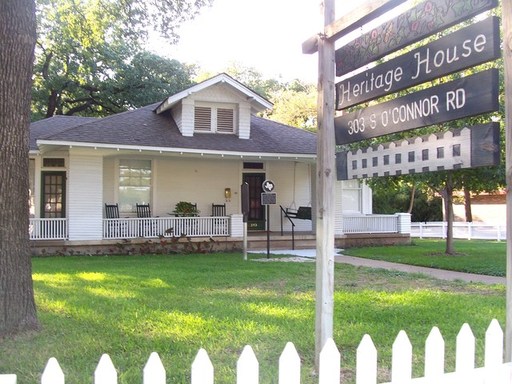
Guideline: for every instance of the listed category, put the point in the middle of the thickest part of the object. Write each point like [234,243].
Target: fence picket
[366,364]
[329,364]
[8,378]
[202,368]
[289,365]
[52,373]
[247,367]
[493,345]
[493,372]
[105,372]
[465,354]
[434,354]
[154,371]
[401,370]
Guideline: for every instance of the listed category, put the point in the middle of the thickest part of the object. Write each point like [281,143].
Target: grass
[473,256]
[130,306]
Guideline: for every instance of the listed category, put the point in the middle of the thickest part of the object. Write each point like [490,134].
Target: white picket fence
[461,230]
[494,370]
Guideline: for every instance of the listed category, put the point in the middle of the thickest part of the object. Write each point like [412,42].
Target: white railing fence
[461,230]
[202,372]
[128,228]
[397,223]
[48,229]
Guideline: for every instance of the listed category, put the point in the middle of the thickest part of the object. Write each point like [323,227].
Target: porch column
[237,225]
[85,195]
[404,223]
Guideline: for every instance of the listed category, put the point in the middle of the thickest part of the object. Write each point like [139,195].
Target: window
[250,165]
[49,162]
[203,119]
[217,118]
[134,184]
[225,122]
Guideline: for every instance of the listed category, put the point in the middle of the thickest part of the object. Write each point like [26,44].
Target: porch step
[302,241]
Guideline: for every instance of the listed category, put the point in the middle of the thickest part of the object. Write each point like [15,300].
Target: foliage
[89,59]
[131,306]
[393,194]
[294,101]
[295,105]
[185,208]
[473,256]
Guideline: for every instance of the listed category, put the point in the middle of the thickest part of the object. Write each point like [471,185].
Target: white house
[198,146]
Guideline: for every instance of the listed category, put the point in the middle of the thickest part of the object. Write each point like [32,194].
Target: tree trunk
[467,205]
[448,208]
[17,37]
[411,201]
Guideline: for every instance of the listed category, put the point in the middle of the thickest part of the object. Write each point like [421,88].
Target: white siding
[177,115]
[200,181]
[244,121]
[85,207]
[187,118]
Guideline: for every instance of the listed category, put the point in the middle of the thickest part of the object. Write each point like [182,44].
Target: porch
[220,233]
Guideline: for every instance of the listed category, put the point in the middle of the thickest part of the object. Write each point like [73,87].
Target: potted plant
[185,208]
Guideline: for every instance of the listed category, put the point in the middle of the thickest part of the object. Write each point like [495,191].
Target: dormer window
[215,118]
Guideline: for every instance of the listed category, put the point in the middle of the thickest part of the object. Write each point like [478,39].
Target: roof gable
[258,103]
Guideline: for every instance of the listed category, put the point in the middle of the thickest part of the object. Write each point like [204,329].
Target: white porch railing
[397,223]
[128,228]
[48,229]
[461,230]
[202,371]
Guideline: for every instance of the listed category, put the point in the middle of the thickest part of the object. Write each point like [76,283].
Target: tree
[295,105]
[87,52]
[17,40]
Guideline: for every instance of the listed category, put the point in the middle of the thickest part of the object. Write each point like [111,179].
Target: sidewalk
[361,262]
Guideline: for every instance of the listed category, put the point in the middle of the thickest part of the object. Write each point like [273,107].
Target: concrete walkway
[361,262]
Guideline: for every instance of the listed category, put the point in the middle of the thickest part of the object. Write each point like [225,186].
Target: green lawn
[473,256]
[130,306]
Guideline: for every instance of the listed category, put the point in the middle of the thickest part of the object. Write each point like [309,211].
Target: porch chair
[218,209]
[143,210]
[146,227]
[115,228]
[111,211]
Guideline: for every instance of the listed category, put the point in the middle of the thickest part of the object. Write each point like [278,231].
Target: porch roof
[144,128]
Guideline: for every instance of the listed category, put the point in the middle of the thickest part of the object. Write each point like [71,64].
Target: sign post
[268,197]
[326,173]
[244,188]
[507,64]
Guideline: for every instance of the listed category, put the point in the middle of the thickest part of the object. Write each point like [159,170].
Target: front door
[256,217]
[53,194]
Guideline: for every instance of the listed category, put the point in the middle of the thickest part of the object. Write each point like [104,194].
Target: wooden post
[326,172]
[507,65]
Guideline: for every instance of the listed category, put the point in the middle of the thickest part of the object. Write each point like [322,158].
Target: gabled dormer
[219,105]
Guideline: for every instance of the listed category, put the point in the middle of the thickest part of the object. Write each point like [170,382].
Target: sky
[266,35]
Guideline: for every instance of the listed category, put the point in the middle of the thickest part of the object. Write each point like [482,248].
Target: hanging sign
[421,21]
[468,96]
[471,147]
[463,49]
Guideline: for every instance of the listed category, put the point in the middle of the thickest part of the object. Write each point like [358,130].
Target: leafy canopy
[90,58]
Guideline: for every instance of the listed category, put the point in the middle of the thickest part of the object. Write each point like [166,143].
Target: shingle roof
[144,128]
[48,127]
